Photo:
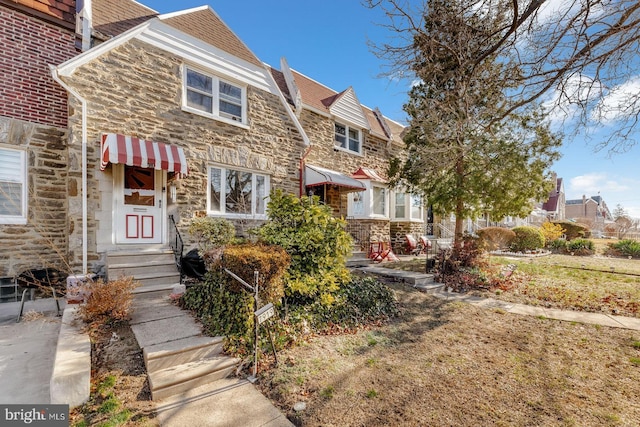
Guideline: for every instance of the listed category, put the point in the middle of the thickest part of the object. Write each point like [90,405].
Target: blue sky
[327,41]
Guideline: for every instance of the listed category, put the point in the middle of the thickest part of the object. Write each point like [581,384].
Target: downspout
[54,74]
[304,156]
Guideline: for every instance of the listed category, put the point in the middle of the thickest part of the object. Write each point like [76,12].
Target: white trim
[254,202]
[347,128]
[24,182]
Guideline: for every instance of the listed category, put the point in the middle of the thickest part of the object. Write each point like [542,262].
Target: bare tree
[576,56]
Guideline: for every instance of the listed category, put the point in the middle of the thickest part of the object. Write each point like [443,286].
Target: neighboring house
[347,161]
[551,209]
[34,181]
[592,209]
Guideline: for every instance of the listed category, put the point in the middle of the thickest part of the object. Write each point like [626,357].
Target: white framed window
[407,206]
[237,193]
[370,203]
[13,186]
[348,138]
[212,96]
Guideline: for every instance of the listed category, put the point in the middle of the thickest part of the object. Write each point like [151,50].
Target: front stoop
[156,270]
[421,281]
[178,357]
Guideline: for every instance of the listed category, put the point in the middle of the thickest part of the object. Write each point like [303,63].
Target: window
[237,193]
[347,138]
[358,203]
[13,187]
[407,206]
[379,201]
[211,96]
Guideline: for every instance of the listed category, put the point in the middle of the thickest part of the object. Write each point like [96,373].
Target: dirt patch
[448,363]
[119,385]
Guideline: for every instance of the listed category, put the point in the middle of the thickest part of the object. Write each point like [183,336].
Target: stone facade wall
[136,90]
[42,242]
[29,45]
[399,229]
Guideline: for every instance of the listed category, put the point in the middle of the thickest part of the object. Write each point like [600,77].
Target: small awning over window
[315,175]
[366,173]
[133,151]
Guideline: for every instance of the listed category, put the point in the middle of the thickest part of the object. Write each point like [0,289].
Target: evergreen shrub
[494,238]
[527,239]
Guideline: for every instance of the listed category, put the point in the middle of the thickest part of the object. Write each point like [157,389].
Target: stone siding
[136,89]
[399,229]
[42,242]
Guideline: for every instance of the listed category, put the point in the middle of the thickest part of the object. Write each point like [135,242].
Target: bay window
[407,206]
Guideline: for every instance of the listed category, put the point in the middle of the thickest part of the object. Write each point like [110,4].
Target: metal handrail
[177,245]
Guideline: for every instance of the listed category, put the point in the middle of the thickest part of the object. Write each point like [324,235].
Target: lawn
[590,283]
[449,363]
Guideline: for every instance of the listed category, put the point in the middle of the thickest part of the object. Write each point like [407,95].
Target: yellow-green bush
[551,231]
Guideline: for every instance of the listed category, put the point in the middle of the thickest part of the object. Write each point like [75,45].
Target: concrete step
[182,378]
[157,279]
[412,278]
[165,355]
[134,269]
[162,290]
[140,257]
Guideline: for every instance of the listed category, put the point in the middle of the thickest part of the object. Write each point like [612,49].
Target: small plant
[580,247]
[371,362]
[636,345]
[107,302]
[211,233]
[371,394]
[328,392]
[558,245]
[625,247]
[635,361]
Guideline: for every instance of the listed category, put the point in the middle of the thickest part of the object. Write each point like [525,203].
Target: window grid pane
[379,201]
[341,135]
[10,199]
[215,182]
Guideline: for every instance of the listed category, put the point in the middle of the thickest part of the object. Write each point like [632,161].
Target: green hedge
[573,230]
[527,239]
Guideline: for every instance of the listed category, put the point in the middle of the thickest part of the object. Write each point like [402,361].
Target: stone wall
[135,89]
[42,242]
[399,229]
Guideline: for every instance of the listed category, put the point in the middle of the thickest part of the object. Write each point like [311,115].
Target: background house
[592,211]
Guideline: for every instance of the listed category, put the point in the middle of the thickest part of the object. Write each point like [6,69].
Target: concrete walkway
[226,402]
[438,291]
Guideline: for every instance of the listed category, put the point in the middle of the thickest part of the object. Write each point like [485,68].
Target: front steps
[177,356]
[155,269]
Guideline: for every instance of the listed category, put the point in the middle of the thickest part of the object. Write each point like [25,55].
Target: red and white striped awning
[133,151]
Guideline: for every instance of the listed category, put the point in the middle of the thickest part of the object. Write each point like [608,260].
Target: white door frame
[139,224]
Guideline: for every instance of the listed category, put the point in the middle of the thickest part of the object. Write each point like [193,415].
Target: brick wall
[139,94]
[42,242]
[27,47]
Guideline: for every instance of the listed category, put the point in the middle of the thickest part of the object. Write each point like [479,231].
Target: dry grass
[445,363]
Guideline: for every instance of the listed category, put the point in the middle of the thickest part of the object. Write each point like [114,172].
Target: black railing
[360,233]
[176,243]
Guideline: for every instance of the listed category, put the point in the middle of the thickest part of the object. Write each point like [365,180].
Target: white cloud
[619,102]
[592,184]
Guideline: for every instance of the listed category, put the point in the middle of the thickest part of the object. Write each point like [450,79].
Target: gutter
[54,74]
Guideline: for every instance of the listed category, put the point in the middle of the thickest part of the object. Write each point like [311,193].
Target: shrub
[271,263]
[460,267]
[108,302]
[496,237]
[211,233]
[573,230]
[580,247]
[316,241]
[527,239]
[558,245]
[626,247]
[551,232]
[222,311]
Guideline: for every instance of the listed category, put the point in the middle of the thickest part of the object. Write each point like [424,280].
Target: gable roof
[114,17]
[320,98]
[551,205]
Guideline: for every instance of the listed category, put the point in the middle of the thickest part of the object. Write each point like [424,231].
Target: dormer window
[211,96]
[348,138]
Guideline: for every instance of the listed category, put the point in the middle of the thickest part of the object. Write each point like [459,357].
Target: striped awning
[133,151]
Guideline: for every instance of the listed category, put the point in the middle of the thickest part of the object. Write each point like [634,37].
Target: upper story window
[214,97]
[408,207]
[348,138]
[13,186]
[237,193]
